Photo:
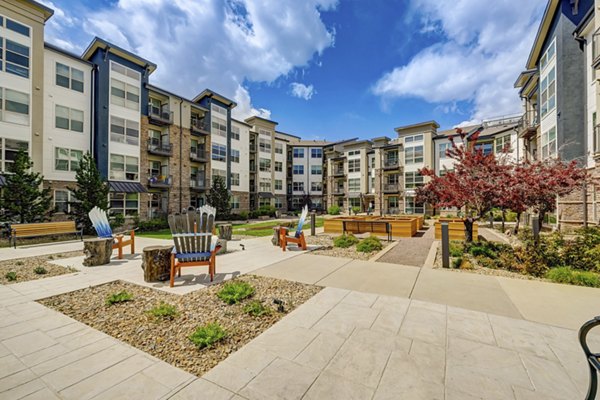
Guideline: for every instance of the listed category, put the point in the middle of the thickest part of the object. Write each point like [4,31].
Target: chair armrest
[213,243]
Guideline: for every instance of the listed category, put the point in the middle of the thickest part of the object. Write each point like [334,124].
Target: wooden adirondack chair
[298,237]
[102,226]
[194,243]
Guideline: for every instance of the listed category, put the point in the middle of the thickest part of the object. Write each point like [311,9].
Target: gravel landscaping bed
[327,248]
[168,339]
[24,268]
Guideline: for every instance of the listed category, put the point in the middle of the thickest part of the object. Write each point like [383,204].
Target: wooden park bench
[43,229]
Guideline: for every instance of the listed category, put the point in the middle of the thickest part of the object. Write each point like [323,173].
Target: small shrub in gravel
[256,309]
[457,262]
[40,270]
[119,297]
[456,248]
[207,335]
[345,241]
[163,311]
[573,277]
[235,291]
[369,245]
[11,276]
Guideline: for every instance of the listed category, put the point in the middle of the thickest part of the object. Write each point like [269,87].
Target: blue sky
[323,69]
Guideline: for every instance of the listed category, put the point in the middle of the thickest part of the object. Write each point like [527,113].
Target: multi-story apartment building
[305,174]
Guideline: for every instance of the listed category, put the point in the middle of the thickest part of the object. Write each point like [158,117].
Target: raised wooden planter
[400,226]
[456,229]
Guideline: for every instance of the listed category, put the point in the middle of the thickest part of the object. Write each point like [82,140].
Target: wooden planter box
[400,227]
[456,228]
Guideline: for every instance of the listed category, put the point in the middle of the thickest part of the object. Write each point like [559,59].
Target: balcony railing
[391,187]
[160,181]
[160,147]
[199,126]
[338,190]
[199,155]
[160,115]
[337,171]
[391,163]
[252,168]
[528,123]
[199,183]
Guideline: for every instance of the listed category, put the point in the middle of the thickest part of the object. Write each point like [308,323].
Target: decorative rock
[156,263]
[97,251]
[225,231]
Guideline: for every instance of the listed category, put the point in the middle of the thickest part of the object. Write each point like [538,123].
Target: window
[413,155]
[354,165]
[68,77]
[66,159]
[264,145]
[61,201]
[298,169]
[316,170]
[264,132]
[393,202]
[316,186]
[16,57]
[316,153]
[298,153]
[68,118]
[485,147]
[219,126]
[235,179]
[413,138]
[503,144]
[9,152]
[412,207]
[264,165]
[278,166]
[278,184]
[235,156]
[219,172]
[124,168]
[548,90]
[263,201]
[442,149]
[548,55]
[218,109]
[354,152]
[14,107]
[219,152]
[412,180]
[354,185]
[278,148]
[549,143]
[393,179]
[123,70]
[278,203]
[124,131]
[124,203]
[264,185]
[235,132]
[124,94]
[235,202]
[354,202]
[16,27]
[298,186]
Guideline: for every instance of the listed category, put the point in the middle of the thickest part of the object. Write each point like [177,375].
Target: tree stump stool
[156,263]
[97,251]
[225,231]
[275,240]
[223,244]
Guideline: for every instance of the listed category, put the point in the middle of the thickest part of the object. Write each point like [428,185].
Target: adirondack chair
[298,237]
[194,243]
[100,223]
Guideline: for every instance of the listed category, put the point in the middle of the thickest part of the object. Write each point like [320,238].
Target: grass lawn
[257,229]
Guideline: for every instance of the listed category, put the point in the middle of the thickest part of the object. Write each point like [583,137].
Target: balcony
[337,171]
[252,188]
[391,188]
[160,148]
[199,183]
[391,163]
[252,148]
[160,181]
[338,191]
[252,168]
[199,127]
[199,155]
[528,124]
[160,115]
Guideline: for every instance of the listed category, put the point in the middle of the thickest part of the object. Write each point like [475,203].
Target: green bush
[486,249]
[267,210]
[256,309]
[244,214]
[40,270]
[560,275]
[235,291]
[457,248]
[153,225]
[117,221]
[163,311]
[345,241]
[120,297]
[207,335]
[11,276]
[573,277]
[369,245]
[456,263]
[334,210]
[355,210]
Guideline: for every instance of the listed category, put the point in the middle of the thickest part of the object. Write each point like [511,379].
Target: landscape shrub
[235,291]
[334,210]
[120,297]
[355,210]
[369,245]
[207,335]
[456,263]
[345,241]
[163,311]
[244,215]
[573,277]
[256,309]
[485,249]
[40,270]
[457,248]
[267,211]
[11,276]
[117,221]
[154,224]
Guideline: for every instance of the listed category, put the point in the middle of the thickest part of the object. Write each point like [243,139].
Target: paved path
[410,251]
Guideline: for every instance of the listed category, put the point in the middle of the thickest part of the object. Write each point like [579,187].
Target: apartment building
[305,174]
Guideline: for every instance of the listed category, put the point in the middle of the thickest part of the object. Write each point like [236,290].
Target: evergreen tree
[23,198]
[91,191]
[219,196]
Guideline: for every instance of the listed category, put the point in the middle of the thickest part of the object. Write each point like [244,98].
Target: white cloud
[485,46]
[302,91]
[220,45]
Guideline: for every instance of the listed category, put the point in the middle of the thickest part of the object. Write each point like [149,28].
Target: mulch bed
[24,267]
[327,248]
[167,339]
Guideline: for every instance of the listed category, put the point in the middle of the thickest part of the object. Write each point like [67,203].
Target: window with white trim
[549,149]
[354,185]
[68,118]
[218,109]
[278,148]
[278,202]
[443,148]
[298,169]
[412,207]
[124,95]
[235,155]
[548,55]
[264,145]
[316,153]
[69,77]
[235,179]
[264,164]
[235,132]
[298,186]
[124,168]
[278,166]
[298,152]
[124,131]
[413,138]
[219,152]
[278,184]
[235,202]
[548,90]
[15,58]
[219,126]
[264,185]
[503,144]
[412,180]
[413,155]
[67,159]
[14,106]
[126,204]
[14,26]
[316,186]
[264,132]
[316,169]
[354,165]
[125,71]
[62,200]
[8,152]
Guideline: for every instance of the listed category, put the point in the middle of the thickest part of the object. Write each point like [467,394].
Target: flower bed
[193,332]
[328,249]
[32,268]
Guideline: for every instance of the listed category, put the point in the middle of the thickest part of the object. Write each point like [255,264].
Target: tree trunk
[468,229]
[156,263]
[542,215]
[97,251]
[503,219]
[516,231]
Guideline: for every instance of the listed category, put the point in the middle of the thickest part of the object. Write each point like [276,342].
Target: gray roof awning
[126,187]
[266,195]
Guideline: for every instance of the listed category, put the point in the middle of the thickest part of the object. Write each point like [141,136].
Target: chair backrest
[100,222]
[301,220]
[192,232]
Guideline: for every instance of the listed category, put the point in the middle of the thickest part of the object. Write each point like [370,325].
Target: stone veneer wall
[244,201]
